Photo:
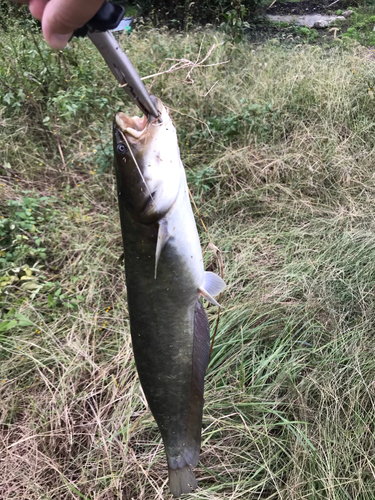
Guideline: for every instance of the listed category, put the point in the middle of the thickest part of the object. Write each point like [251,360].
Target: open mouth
[133,126]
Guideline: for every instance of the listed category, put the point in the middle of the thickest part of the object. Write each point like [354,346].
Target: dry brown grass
[287,197]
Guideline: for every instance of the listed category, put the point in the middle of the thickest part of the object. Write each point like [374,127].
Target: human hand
[61,17]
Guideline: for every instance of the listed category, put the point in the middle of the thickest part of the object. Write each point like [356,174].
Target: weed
[22,228]
[185,14]
[281,24]
[256,118]
[234,24]
[202,178]
[308,34]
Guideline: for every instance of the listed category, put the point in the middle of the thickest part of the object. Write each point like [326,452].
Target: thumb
[62,17]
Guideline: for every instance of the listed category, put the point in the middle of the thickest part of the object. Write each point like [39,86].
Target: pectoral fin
[163,237]
[212,286]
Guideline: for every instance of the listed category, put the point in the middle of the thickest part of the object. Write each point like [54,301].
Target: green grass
[279,145]
[360,26]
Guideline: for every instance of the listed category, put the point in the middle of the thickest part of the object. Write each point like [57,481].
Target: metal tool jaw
[97,29]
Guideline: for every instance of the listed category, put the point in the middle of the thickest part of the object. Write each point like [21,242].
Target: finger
[37,7]
[62,17]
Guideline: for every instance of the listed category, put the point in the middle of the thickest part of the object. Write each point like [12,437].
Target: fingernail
[58,41]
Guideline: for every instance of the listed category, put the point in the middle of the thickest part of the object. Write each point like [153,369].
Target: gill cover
[148,166]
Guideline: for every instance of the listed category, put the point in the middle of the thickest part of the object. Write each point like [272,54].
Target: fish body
[165,278]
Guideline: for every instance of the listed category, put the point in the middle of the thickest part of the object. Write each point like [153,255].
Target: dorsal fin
[163,237]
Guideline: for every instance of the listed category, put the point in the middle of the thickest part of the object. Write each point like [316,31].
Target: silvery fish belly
[165,279]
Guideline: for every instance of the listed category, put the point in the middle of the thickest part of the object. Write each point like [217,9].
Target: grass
[279,146]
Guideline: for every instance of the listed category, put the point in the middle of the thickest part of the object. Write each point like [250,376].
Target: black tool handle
[107,18]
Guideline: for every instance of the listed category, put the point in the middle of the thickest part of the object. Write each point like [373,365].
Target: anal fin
[181,478]
[201,354]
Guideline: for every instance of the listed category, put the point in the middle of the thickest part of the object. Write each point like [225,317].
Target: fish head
[148,165]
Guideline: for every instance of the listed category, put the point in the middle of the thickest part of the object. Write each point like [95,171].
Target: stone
[320,24]
[348,13]
[340,18]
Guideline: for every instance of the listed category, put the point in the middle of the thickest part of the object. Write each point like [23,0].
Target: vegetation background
[277,133]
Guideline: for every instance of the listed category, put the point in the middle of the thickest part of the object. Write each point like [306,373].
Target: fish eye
[121,148]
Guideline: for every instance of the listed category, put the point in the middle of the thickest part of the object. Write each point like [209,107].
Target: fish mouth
[133,126]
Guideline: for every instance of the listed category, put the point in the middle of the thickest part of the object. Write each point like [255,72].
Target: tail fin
[181,481]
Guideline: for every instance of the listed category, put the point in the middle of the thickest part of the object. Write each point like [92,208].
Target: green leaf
[30,285]
[24,323]
[51,301]
[7,325]
[23,320]
[3,326]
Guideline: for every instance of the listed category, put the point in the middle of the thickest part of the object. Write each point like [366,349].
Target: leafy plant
[184,14]
[234,23]
[104,157]
[304,30]
[21,230]
[280,24]
[350,32]
[57,296]
[13,319]
[202,179]
[309,34]
[256,118]
[24,277]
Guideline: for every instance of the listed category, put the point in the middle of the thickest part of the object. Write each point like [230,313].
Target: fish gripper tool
[98,29]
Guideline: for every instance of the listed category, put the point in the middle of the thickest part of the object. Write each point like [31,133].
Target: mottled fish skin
[169,326]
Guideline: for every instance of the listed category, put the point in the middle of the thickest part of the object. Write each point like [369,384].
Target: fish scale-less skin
[162,313]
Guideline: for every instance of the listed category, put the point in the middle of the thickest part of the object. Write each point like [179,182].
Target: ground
[304,7]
